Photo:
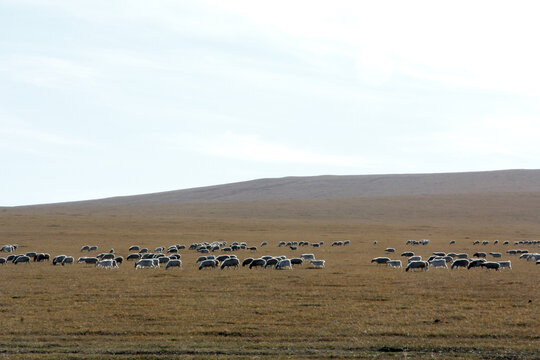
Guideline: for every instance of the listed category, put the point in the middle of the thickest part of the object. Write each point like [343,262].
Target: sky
[105,98]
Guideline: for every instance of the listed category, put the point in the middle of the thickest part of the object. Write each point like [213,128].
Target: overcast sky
[101,98]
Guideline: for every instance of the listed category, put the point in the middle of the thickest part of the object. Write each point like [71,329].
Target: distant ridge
[336,187]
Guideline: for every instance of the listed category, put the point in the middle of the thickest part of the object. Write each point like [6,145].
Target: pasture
[349,309]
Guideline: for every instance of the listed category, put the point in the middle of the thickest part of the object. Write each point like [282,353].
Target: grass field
[350,309]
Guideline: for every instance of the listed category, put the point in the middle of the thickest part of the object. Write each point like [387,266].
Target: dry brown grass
[350,309]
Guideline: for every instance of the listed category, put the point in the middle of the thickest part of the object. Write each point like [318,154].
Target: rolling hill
[339,187]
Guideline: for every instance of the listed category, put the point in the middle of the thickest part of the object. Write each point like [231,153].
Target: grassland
[350,309]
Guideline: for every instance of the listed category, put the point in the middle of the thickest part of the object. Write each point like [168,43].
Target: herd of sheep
[171,258]
[454,260]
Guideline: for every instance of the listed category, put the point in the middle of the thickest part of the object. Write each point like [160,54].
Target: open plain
[350,309]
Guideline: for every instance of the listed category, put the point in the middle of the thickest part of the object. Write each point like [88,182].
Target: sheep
[143,250]
[375,243]
[485,243]
[422,265]
[67,260]
[42,257]
[258,263]
[495,254]
[462,256]
[107,264]
[337,243]
[210,263]
[284,264]
[163,259]
[174,263]
[297,261]
[264,243]
[317,264]
[134,256]
[271,262]
[85,248]
[175,256]
[389,250]
[414,258]
[22,259]
[87,260]
[345,243]
[438,263]
[159,249]
[134,248]
[172,249]
[395,264]
[58,259]
[480,254]
[92,248]
[200,258]
[222,258]
[491,265]
[3,261]
[308,256]
[247,261]
[439,253]
[227,263]
[109,256]
[32,255]
[460,263]
[380,260]
[407,253]
[505,264]
[452,242]
[475,263]
[145,263]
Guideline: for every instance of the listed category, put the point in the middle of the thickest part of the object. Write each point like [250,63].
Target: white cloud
[47,71]
[253,148]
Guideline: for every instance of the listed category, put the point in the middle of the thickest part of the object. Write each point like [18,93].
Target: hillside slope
[336,187]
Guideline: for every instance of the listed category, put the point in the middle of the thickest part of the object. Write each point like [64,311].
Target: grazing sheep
[452,242]
[200,258]
[22,259]
[480,254]
[134,256]
[380,260]
[395,264]
[485,243]
[414,258]
[439,253]
[337,243]
[230,262]
[505,243]
[222,258]
[175,256]
[58,259]
[3,261]
[264,243]
[87,260]
[436,263]
[460,263]
[108,256]
[345,243]
[389,250]
[375,243]
[42,257]
[174,263]
[107,264]
[505,264]
[247,261]
[134,248]
[143,251]
[475,263]
[271,263]
[67,260]
[145,264]
[85,248]
[491,265]
[297,261]
[284,264]
[462,256]
[317,264]
[258,263]
[422,265]
[92,248]
[308,256]
[407,253]
[495,254]
[210,263]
